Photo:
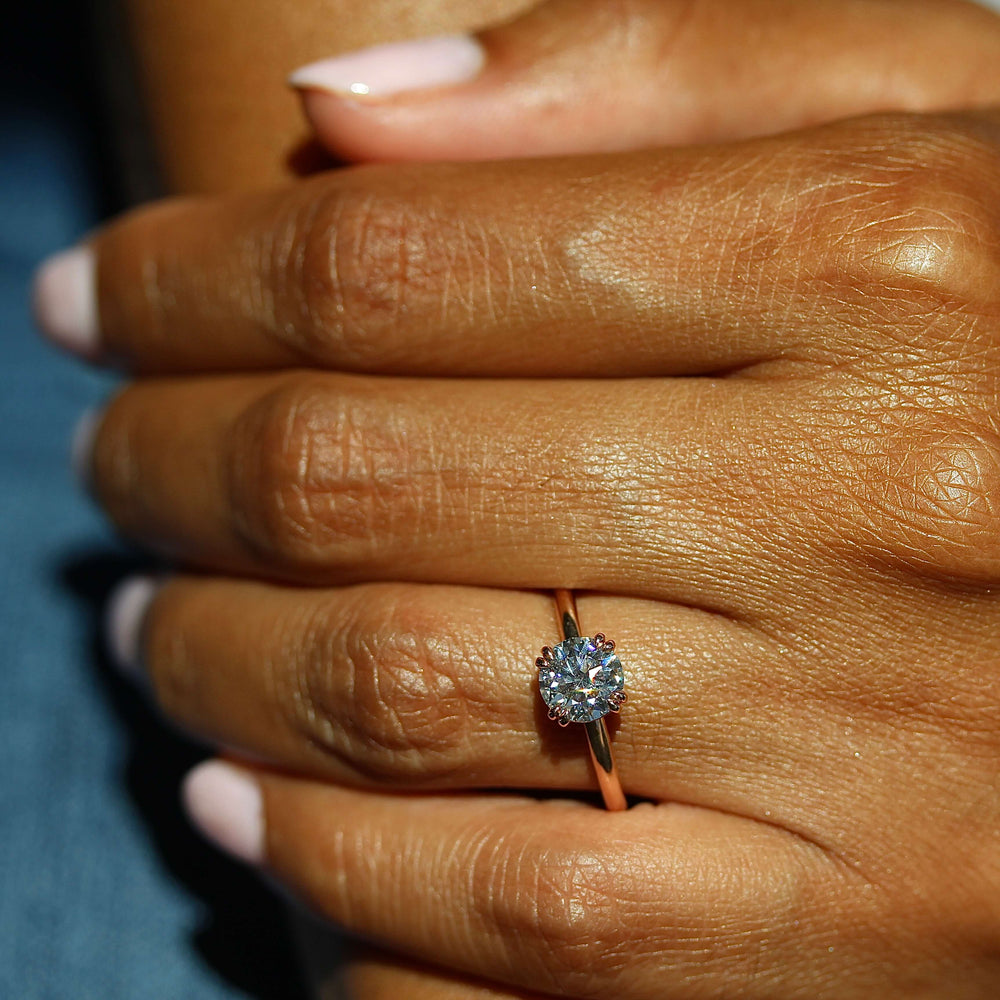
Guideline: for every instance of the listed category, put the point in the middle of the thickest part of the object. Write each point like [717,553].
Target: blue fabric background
[104,891]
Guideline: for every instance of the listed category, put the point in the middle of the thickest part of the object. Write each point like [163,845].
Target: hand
[796,554]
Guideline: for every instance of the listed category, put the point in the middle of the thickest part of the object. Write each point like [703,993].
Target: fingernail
[225,804]
[395,68]
[65,300]
[81,447]
[124,621]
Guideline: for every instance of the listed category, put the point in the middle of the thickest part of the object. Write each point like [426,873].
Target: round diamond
[582,680]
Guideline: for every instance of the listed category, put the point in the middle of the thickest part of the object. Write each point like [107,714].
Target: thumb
[575,76]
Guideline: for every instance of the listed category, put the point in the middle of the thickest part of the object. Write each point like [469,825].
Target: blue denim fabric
[104,891]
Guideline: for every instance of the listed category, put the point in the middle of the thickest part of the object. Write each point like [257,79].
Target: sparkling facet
[580,680]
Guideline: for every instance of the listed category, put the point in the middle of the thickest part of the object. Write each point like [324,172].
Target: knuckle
[367,260]
[559,907]
[380,691]
[936,486]
[919,255]
[312,477]
[919,225]
[272,454]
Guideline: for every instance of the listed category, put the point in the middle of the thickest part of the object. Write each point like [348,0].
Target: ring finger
[433,688]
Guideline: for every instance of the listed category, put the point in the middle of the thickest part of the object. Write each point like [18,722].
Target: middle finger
[668,489]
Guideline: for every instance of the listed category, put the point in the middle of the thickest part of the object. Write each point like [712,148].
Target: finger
[436,688]
[656,898]
[323,478]
[675,262]
[600,76]
[687,490]
[332,479]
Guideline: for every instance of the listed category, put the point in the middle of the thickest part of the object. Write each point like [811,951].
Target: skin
[198,62]
[780,498]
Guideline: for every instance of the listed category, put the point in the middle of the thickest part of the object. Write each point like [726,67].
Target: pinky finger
[553,896]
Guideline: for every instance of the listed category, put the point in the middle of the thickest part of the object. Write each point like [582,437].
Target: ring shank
[598,741]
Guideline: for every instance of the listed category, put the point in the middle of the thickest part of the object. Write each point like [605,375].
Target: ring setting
[581,680]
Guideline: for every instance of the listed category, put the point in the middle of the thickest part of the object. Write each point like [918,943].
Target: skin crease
[797,523]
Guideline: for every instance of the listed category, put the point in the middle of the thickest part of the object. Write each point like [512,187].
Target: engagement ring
[581,680]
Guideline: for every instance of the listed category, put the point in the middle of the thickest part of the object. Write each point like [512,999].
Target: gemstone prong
[598,639]
[547,653]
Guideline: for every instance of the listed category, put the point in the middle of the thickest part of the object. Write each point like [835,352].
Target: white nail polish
[65,300]
[124,622]
[225,804]
[396,68]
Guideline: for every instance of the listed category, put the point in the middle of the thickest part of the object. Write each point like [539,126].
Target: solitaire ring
[581,680]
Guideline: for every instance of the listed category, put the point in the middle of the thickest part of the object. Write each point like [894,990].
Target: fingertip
[353,132]
[125,622]
[346,99]
[81,449]
[524,88]
[64,299]
[226,806]
[393,69]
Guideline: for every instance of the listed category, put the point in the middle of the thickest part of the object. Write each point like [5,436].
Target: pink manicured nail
[65,300]
[396,68]
[124,621]
[226,805]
